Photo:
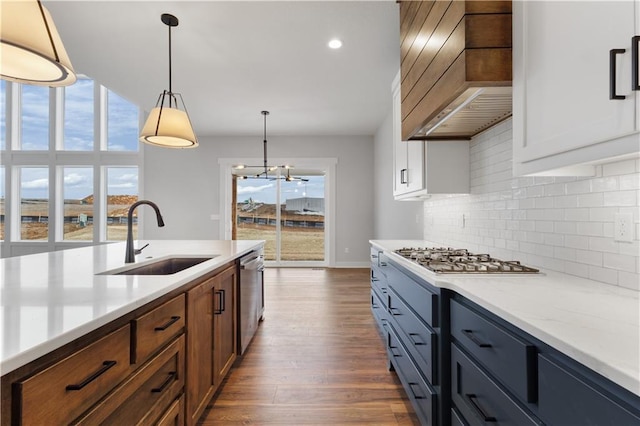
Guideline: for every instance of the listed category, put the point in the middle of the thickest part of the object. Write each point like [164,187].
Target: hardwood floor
[317,358]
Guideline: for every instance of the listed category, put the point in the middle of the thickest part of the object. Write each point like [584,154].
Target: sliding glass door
[286,208]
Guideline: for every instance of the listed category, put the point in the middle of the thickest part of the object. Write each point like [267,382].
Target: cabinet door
[408,157]
[200,370]
[562,112]
[225,331]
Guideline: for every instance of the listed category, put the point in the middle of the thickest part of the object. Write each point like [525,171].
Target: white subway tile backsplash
[620,198]
[591,200]
[564,224]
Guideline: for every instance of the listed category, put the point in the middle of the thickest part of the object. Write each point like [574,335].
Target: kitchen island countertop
[50,299]
[596,324]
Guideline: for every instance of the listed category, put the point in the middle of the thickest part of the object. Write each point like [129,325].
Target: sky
[78,128]
[264,190]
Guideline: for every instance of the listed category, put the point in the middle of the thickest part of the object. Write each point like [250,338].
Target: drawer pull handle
[474,339]
[394,312]
[472,397]
[168,324]
[415,395]
[395,355]
[612,73]
[415,341]
[105,366]
[170,378]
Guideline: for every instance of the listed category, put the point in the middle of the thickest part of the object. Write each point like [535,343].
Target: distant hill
[117,200]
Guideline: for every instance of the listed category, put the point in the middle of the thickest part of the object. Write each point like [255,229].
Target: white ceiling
[233,59]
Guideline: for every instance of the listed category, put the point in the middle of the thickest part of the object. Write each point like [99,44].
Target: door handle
[403,176]
[612,73]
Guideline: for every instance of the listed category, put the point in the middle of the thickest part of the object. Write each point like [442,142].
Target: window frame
[56,159]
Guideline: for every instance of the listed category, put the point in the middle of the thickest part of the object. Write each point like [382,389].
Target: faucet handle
[138,251]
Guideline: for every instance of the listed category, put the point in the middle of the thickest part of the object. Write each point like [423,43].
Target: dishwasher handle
[255,263]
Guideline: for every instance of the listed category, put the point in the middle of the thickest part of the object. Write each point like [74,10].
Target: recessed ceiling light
[335,44]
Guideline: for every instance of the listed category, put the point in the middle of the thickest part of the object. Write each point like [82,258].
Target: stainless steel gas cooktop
[460,261]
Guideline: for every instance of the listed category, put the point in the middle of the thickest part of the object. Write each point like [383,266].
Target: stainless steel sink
[167,266]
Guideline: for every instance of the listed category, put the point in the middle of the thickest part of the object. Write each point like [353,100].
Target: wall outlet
[623,227]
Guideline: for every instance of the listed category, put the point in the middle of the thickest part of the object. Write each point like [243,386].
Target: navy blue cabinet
[568,397]
[462,365]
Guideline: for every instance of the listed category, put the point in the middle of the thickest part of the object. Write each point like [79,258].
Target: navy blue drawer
[416,336]
[419,392]
[456,418]
[380,286]
[378,310]
[422,301]
[568,399]
[480,400]
[511,359]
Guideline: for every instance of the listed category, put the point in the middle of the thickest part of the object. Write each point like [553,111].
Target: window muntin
[34,133]
[3,115]
[122,192]
[78,116]
[122,124]
[78,203]
[34,203]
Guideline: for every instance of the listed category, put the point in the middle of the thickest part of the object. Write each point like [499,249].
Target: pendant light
[31,51]
[169,126]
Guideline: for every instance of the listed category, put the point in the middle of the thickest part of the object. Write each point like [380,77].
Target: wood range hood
[455,67]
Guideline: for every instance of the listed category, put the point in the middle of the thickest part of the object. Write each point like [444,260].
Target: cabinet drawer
[146,395]
[422,301]
[479,398]
[508,357]
[65,390]
[157,327]
[377,309]
[381,287]
[456,418]
[566,398]
[417,389]
[417,337]
[174,416]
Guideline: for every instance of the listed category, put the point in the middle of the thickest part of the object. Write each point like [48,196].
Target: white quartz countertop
[50,299]
[594,323]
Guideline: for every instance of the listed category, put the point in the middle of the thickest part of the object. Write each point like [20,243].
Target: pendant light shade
[31,51]
[168,124]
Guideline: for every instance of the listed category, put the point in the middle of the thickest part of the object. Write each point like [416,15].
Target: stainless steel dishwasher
[251,310]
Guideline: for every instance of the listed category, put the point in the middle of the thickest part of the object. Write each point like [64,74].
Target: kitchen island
[52,302]
[570,335]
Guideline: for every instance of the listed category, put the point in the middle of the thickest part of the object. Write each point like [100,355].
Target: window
[123,124]
[35,118]
[78,116]
[122,192]
[34,203]
[63,187]
[77,216]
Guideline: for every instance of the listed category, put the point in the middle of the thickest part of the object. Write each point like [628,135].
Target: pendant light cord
[170,88]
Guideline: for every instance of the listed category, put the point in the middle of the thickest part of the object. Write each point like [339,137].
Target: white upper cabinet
[424,168]
[563,68]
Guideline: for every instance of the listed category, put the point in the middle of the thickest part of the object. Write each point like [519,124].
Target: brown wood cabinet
[211,338]
[225,325]
[449,50]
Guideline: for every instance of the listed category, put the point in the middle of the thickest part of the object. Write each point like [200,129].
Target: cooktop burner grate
[461,261]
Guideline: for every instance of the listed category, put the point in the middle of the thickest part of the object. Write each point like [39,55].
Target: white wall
[393,219]
[184,184]
[560,223]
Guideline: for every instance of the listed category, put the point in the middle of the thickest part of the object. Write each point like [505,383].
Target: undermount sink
[168,266]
